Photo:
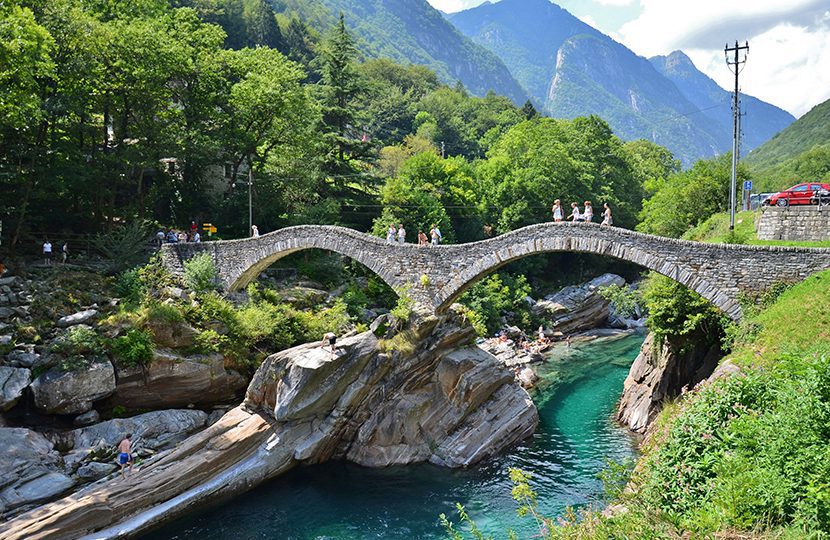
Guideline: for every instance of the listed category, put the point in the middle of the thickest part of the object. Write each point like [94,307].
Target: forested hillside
[411,31]
[799,153]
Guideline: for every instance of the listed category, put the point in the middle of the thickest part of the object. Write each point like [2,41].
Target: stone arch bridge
[436,276]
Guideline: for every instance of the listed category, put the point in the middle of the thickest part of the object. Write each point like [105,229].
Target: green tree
[340,88]
[688,198]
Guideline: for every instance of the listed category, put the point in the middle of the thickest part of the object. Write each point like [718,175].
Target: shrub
[78,340]
[129,287]
[125,246]
[499,295]
[403,308]
[624,300]
[135,348]
[157,312]
[356,299]
[200,273]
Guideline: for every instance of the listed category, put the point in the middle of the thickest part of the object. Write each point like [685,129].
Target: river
[577,394]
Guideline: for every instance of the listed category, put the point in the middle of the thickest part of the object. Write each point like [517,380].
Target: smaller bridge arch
[436,276]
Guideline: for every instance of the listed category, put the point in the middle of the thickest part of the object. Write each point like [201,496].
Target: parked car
[806,193]
[821,196]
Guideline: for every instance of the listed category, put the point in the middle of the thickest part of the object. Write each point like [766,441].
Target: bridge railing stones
[718,272]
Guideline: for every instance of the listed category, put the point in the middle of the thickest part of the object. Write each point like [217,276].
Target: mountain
[761,121]
[571,69]
[412,31]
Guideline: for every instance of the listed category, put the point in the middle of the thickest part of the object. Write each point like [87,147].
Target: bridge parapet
[436,276]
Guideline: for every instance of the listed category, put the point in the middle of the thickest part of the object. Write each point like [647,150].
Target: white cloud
[451,6]
[789,43]
[587,19]
[616,3]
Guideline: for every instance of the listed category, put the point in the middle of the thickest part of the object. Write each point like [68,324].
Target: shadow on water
[576,437]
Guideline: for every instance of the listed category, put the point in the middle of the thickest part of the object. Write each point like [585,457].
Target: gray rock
[77,318]
[155,429]
[30,469]
[5,339]
[72,392]
[9,281]
[22,358]
[86,419]
[12,383]
[95,470]
[577,308]
[173,381]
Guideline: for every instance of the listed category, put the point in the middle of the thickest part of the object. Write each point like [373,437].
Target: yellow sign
[212,229]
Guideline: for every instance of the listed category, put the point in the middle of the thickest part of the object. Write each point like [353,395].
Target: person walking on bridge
[607,219]
[575,215]
[435,235]
[556,210]
[588,213]
[401,234]
[390,234]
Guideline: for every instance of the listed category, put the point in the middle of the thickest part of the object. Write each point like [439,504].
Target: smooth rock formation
[22,358]
[86,419]
[173,381]
[443,400]
[172,335]
[72,392]
[30,469]
[12,383]
[576,308]
[95,470]
[661,373]
[77,318]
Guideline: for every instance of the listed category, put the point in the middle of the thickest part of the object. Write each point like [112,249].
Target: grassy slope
[716,230]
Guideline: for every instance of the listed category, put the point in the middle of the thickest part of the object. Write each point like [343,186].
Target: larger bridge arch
[436,276]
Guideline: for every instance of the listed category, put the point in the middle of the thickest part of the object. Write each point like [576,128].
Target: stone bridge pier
[436,276]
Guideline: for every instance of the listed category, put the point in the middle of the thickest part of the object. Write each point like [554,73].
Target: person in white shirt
[197,237]
[588,213]
[254,231]
[390,234]
[435,235]
[401,234]
[47,252]
[575,215]
[607,219]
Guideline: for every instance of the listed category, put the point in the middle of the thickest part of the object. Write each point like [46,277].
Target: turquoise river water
[337,501]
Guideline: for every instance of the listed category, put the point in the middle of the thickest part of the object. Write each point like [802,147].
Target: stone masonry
[436,276]
[797,223]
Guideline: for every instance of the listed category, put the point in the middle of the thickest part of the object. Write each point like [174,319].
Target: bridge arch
[436,276]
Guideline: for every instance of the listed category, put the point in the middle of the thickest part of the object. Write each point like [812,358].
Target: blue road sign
[747,185]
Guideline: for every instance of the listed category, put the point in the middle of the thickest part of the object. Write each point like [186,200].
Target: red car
[807,193]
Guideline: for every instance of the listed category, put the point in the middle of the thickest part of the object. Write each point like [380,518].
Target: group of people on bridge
[587,215]
[398,235]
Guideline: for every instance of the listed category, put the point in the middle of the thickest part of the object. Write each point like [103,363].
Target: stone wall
[436,276]
[796,223]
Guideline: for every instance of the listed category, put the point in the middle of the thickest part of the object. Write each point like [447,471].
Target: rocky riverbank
[426,394]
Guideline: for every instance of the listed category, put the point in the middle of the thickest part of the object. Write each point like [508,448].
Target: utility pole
[442,149]
[737,62]
[250,199]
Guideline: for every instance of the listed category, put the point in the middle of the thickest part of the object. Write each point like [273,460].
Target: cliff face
[436,397]
[661,372]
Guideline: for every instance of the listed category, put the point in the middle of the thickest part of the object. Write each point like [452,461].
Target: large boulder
[12,383]
[175,335]
[662,371]
[77,318]
[30,469]
[73,392]
[172,381]
[578,307]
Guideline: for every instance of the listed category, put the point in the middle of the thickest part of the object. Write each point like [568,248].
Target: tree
[340,88]
[529,111]
[688,198]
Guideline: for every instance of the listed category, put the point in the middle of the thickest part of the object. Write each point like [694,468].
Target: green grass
[715,230]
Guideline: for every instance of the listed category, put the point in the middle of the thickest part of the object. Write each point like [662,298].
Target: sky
[789,40]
